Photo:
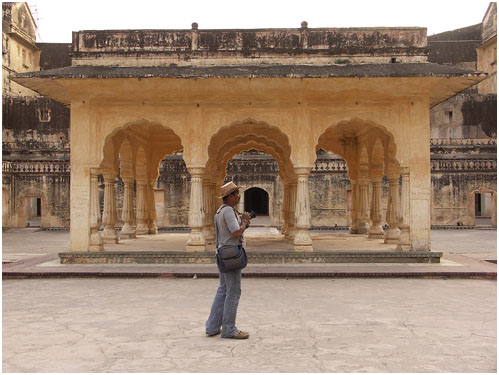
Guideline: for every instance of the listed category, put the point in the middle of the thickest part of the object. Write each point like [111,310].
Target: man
[230,229]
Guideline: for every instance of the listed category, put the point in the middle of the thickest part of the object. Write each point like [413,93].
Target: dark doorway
[33,212]
[483,209]
[256,199]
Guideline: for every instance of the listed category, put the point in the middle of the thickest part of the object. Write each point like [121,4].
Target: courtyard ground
[296,324]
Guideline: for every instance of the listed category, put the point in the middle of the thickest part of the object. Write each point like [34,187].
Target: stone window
[448,117]
[43,114]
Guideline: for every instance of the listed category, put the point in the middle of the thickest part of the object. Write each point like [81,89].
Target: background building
[35,145]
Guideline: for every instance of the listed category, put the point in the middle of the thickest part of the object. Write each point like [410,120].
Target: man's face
[234,198]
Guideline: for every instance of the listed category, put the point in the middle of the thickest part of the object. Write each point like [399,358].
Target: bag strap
[216,224]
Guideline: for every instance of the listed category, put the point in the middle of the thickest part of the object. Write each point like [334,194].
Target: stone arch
[471,203]
[158,141]
[369,151]
[344,137]
[245,135]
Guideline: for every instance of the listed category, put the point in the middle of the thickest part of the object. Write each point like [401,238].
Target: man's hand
[246,216]
[245,222]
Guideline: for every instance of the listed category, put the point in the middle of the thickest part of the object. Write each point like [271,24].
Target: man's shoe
[241,335]
[214,334]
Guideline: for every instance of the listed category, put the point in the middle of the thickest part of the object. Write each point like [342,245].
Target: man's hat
[228,188]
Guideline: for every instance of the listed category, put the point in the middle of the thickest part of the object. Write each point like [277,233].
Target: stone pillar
[285,210]
[376,231]
[405,235]
[392,234]
[127,213]
[214,207]
[141,202]
[354,225]
[109,235]
[95,243]
[363,207]
[292,208]
[196,240]
[207,204]
[302,240]
[151,211]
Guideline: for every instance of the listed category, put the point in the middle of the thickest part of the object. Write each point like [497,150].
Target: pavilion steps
[254,257]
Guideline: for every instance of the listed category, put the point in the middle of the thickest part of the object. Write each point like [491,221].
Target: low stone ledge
[281,257]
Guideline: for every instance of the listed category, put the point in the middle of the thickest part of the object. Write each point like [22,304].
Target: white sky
[57,19]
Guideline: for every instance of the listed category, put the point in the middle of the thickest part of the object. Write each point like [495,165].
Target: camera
[252,214]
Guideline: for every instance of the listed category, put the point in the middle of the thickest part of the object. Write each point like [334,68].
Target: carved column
[363,207]
[302,240]
[196,240]
[207,204]
[292,208]
[285,210]
[392,234]
[376,231]
[354,225]
[405,235]
[141,202]
[151,211]
[127,213]
[95,243]
[214,206]
[109,235]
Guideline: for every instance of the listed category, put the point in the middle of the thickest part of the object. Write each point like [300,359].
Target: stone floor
[297,325]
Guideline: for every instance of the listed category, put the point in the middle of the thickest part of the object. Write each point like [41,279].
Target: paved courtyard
[296,325]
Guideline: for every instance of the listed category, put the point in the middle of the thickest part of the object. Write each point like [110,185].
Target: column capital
[95,171]
[405,170]
[376,174]
[196,171]
[127,179]
[109,175]
[302,171]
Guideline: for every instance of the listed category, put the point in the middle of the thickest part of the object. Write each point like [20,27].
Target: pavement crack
[486,336]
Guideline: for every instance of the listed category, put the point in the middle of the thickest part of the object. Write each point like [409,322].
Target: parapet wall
[252,46]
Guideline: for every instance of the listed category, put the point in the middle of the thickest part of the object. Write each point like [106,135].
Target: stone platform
[254,257]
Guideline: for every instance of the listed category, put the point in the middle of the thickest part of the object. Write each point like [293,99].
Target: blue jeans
[224,309]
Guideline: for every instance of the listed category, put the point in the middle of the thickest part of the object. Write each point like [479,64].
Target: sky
[56,19]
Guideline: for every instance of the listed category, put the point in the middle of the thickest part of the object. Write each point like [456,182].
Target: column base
[127,231]
[363,228]
[392,235]
[196,241]
[405,239]
[302,241]
[376,232]
[153,230]
[142,229]
[110,240]
[353,230]
[208,233]
[128,235]
[109,236]
[95,243]
[401,246]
